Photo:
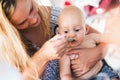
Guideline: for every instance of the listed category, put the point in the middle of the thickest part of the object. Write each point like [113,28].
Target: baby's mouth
[70,40]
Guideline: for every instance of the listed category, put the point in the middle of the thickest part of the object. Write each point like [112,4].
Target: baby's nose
[72,35]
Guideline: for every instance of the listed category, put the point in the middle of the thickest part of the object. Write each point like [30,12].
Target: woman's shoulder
[54,18]
[54,14]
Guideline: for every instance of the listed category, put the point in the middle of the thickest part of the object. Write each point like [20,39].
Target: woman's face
[26,14]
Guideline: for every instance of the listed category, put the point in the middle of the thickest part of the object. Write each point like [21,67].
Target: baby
[72,24]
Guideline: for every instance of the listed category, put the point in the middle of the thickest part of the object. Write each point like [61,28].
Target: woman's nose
[32,19]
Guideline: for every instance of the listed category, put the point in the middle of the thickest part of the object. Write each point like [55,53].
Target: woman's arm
[87,58]
[52,49]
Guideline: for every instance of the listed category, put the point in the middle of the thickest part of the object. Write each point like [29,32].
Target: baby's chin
[70,45]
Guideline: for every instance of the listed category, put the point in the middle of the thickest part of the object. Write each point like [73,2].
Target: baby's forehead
[72,18]
[71,14]
[71,9]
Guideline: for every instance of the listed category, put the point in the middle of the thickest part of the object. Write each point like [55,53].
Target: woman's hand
[87,58]
[54,48]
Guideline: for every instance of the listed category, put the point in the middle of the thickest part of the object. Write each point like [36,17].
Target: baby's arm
[96,37]
[65,70]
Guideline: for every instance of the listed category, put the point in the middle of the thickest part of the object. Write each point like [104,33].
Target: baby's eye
[65,31]
[76,30]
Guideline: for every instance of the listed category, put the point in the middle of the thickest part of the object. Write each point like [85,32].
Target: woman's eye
[31,10]
[22,23]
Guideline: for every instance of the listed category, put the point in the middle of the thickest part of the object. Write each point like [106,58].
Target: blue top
[52,69]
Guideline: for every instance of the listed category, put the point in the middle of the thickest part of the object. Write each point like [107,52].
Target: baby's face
[74,30]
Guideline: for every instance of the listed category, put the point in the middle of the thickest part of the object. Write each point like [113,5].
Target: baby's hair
[71,10]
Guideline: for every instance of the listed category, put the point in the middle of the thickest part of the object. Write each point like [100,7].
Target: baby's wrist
[66,77]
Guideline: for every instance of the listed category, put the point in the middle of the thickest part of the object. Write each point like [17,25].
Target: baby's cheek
[80,39]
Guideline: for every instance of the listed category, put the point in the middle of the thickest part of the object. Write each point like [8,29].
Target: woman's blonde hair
[44,13]
[12,50]
[45,17]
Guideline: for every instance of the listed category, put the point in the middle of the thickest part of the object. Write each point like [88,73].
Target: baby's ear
[87,29]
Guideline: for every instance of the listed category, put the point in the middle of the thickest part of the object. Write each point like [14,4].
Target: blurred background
[94,10]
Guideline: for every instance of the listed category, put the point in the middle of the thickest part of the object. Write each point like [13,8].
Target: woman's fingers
[55,47]
[79,65]
[76,69]
[79,71]
[61,53]
[57,38]
[59,45]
